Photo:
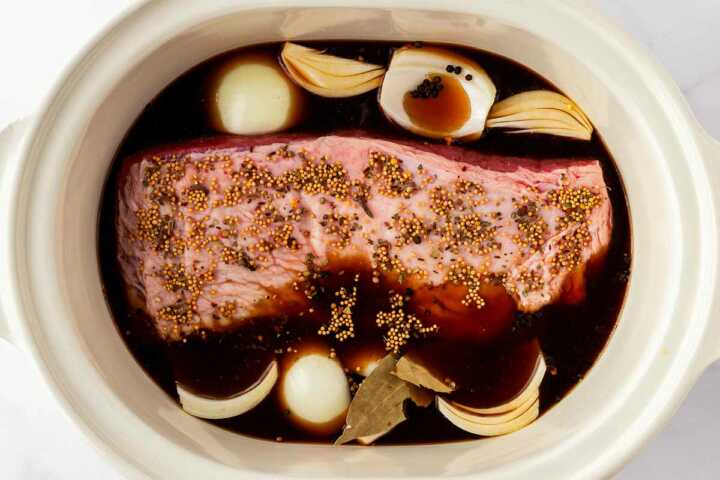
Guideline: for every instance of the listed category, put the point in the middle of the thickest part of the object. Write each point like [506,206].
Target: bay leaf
[412,372]
[378,405]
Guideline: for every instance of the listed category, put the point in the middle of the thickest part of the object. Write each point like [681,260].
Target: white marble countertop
[37,37]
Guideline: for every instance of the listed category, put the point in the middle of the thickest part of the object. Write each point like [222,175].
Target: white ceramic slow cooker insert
[53,167]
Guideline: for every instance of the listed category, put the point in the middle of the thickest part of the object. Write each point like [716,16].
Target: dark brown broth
[571,336]
[446,112]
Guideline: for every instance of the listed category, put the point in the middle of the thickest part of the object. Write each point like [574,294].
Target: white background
[37,37]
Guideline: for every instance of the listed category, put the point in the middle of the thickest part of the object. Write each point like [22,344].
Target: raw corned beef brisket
[215,232]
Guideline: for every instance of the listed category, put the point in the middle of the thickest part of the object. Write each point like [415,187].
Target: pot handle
[12,138]
[711,155]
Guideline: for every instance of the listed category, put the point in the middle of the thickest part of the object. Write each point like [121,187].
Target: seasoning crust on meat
[213,233]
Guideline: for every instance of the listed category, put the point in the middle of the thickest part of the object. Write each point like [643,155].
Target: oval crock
[52,173]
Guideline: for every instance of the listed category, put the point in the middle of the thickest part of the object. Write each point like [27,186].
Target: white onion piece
[541,111]
[490,419]
[486,429]
[315,390]
[410,66]
[529,391]
[252,95]
[212,408]
[327,75]
[512,415]
[363,361]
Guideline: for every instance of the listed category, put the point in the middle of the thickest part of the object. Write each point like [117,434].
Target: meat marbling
[217,231]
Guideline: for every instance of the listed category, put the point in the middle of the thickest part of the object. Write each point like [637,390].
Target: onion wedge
[328,75]
[540,111]
[512,415]
[480,426]
[217,408]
